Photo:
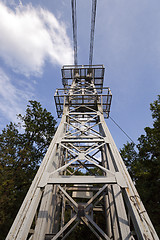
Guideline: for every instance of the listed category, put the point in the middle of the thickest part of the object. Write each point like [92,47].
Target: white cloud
[29,36]
[13,98]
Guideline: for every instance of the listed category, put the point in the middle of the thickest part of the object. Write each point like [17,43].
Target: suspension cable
[122,129]
[74,25]
[93,18]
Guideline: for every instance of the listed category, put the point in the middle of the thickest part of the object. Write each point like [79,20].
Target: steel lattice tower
[82,182]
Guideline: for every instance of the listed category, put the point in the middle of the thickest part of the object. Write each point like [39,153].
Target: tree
[39,126]
[144,165]
[22,148]
[130,158]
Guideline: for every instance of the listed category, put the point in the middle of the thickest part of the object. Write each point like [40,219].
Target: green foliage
[130,158]
[39,126]
[22,148]
[144,165]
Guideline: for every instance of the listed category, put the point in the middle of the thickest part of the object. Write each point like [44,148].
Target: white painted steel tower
[82,184]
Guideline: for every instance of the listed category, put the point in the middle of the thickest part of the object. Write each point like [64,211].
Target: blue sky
[36,40]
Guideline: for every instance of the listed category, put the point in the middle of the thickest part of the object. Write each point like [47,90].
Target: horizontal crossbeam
[81,179]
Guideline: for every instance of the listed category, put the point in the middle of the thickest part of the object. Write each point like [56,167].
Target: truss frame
[82,159]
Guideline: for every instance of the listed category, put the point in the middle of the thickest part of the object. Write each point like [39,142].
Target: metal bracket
[120,180]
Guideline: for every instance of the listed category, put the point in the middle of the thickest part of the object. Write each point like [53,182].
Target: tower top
[96,72]
[83,85]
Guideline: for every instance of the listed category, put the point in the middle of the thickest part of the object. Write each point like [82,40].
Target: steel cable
[74,25]
[93,19]
[121,129]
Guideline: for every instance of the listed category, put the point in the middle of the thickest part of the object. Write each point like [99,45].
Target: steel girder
[82,181]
